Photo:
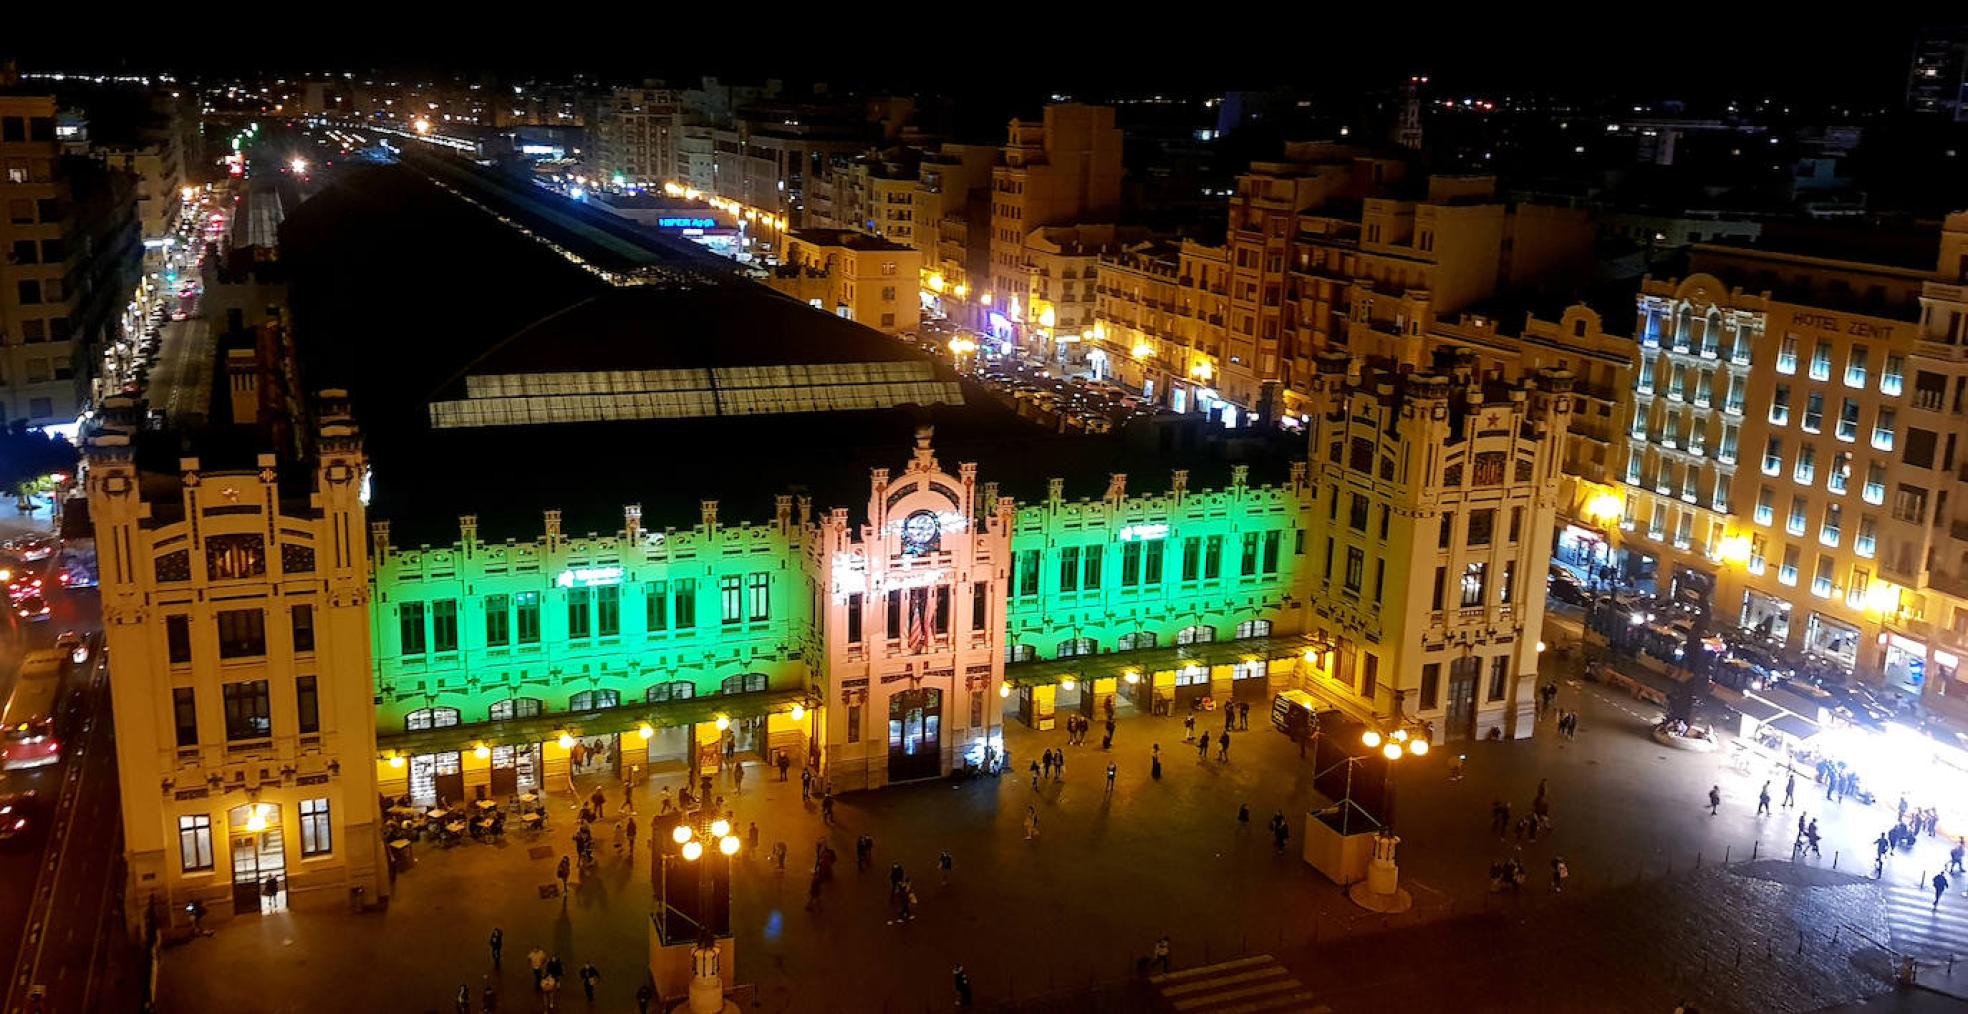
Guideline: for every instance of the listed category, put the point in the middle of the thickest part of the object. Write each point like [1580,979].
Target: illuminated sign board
[686,223]
[1144,533]
[588,577]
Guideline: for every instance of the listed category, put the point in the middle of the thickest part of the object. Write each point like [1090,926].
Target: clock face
[920,532]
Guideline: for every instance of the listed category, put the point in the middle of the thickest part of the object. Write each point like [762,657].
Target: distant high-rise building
[1063,170]
[636,135]
[1937,78]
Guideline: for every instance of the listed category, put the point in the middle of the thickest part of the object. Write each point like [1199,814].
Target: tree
[29,456]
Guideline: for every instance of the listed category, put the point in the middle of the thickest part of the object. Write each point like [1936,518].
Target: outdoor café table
[530,819]
[529,798]
[486,804]
[455,827]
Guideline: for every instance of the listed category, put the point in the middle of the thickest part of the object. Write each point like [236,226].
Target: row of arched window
[1074,647]
[587,700]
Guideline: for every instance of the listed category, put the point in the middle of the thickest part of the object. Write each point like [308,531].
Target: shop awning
[1148,661]
[600,722]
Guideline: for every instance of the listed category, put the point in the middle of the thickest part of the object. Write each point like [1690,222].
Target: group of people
[1840,781]
[586,754]
[549,975]
[1077,727]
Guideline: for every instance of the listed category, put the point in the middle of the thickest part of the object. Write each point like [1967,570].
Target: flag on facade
[918,620]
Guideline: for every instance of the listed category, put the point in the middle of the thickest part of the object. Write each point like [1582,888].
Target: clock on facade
[921,533]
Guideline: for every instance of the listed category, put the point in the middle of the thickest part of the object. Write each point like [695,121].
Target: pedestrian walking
[464,999]
[1954,855]
[644,994]
[1059,767]
[737,775]
[1790,790]
[1940,888]
[488,997]
[962,984]
[565,865]
[1031,822]
[1045,764]
[621,836]
[1189,727]
[1202,748]
[537,958]
[1243,716]
[1714,799]
[589,976]
[1035,771]
[1110,777]
[806,785]
[631,831]
[1280,832]
[498,944]
[1155,763]
[752,838]
[1243,818]
[1161,953]
[943,866]
[1559,871]
[1223,746]
[549,991]
[1763,800]
[827,807]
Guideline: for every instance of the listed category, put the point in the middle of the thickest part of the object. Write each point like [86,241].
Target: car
[75,644]
[1565,587]
[17,814]
[32,608]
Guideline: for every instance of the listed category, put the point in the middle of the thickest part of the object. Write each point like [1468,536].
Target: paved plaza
[1649,916]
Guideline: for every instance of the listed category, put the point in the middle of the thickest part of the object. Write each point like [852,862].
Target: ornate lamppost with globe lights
[698,834]
[1381,891]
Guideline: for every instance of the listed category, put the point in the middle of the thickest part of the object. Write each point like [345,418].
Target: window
[242,633]
[758,592]
[1875,484]
[1472,584]
[1091,580]
[1855,367]
[1152,568]
[1509,576]
[731,599]
[683,603]
[424,719]
[1074,647]
[656,606]
[1806,471]
[1069,569]
[498,621]
[580,612]
[1780,406]
[744,683]
[1356,512]
[526,613]
[673,690]
[177,639]
[854,723]
[1131,564]
[1891,379]
[1787,571]
[1787,355]
[307,705]
[894,618]
[1480,524]
[184,708]
[1864,544]
[1431,685]
[1499,673]
[594,700]
[247,715]
[1765,508]
[1192,553]
[444,625]
[1441,579]
[1195,635]
[1840,473]
[1910,504]
[1882,431]
[1828,532]
[1919,448]
[1356,563]
[1135,640]
[1821,361]
[1445,533]
[1369,672]
[195,842]
[854,610]
[1795,525]
[980,605]
[608,610]
[1213,557]
[410,627]
[1249,564]
[1028,573]
[316,837]
[1813,413]
[1848,420]
[1821,577]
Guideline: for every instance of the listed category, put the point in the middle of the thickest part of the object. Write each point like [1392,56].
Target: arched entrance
[915,734]
[259,856]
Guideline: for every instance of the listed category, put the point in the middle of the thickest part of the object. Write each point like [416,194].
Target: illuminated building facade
[1159,321]
[636,133]
[235,614]
[1063,170]
[1837,536]
[854,275]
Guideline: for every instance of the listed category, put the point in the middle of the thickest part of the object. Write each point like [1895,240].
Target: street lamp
[1381,891]
[706,982]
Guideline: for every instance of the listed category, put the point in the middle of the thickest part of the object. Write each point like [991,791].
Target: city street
[1066,915]
[180,384]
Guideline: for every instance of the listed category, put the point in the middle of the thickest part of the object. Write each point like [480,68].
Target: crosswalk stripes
[1243,986]
[1921,929]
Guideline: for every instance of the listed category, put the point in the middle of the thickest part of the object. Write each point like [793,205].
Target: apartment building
[953,229]
[850,274]
[1063,170]
[636,134]
[1159,321]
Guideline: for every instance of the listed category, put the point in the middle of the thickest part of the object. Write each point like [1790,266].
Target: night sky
[1658,54]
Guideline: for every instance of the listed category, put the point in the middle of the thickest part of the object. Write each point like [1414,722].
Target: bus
[29,739]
